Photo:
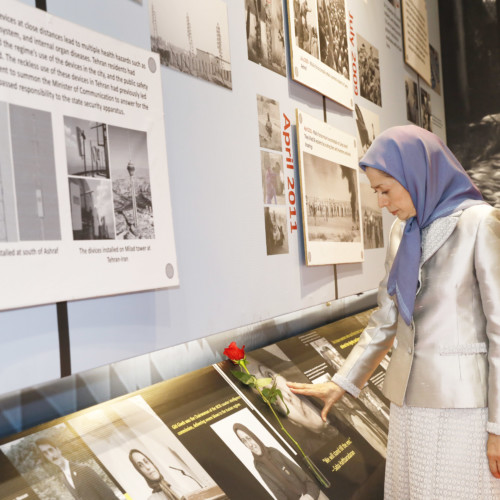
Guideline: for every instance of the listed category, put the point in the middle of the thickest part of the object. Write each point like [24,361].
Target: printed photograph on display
[143,454]
[319,49]
[34,169]
[9,230]
[91,209]
[373,229]
[435,71]
[192,37]
[275,222]
[394,3]
[269,118]
[330,193]
[265,34]
[265,457]
[301,417]
[425,110]
[58,465]
[411,91]
[273,185]
[369,71]
[368,127]
[368,415]
[86,147]
[129,166]
[331,200]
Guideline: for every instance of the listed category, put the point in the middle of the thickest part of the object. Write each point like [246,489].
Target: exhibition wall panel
[231,274]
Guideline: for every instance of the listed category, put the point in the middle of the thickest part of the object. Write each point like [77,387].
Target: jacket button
[410,350]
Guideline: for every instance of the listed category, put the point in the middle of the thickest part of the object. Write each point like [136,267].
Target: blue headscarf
[438,186]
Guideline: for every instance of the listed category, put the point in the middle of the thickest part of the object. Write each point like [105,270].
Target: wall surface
[227,281]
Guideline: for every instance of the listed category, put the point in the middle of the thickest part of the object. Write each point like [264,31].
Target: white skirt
[438,454]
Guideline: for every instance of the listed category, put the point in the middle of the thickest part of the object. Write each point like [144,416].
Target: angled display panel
[319,48]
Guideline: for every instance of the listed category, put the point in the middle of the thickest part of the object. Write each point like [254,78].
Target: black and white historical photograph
[331,201]
[269,118]
[8,221]
[132,199]
[265,34]
[273,181]
[275,222]
[411,100]
[306,26]
[425,110]
[143,454]
[373,229]
[266,458]
[92,215]
[368,127]
[369,71]
[193,37]
[86,147]
[368,414]
[435,70]
[35,174]
[58,466]
[333,35]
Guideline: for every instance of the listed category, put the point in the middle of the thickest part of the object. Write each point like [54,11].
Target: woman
[161,490]
[284,478]
[439,310]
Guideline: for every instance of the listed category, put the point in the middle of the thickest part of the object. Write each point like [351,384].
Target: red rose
[234,353]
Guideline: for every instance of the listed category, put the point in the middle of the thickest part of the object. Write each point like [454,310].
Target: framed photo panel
[329,185]
[319,48]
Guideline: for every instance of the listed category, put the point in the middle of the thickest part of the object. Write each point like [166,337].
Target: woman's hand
[493,452]
[328,392]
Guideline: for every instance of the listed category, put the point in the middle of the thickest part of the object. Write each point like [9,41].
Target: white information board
[85,205]
[329,186]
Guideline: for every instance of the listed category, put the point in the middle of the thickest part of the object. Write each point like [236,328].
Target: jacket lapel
[436,234]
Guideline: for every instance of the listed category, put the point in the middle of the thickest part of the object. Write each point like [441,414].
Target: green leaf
[278,392]
[245,378]
[262,382]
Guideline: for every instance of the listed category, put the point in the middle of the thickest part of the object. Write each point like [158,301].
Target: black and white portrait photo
[273,185]
[369,71]
[86,147]
[373,230]
[269,117]
[192,37]
[32,141]
[129,166]
[58,466]
[333,35]
[411,100]
[143,454]
[425,110]
[266,458]
[306,26]
[368,127]
[92,215]
[265,34]
[331,200]
[275,222]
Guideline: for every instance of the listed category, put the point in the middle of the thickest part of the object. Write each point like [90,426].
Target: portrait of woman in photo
[160,488]
[284,478]
[439,312]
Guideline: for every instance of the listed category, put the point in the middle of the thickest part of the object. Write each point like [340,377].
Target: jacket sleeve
[487,265]
[377,338]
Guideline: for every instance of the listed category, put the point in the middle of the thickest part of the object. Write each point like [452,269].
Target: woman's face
[249,442]
[391,194]
[146,467]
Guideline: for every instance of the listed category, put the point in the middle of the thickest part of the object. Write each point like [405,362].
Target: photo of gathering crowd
[369,71]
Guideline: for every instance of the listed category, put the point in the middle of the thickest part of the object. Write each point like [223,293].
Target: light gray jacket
[450,355]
